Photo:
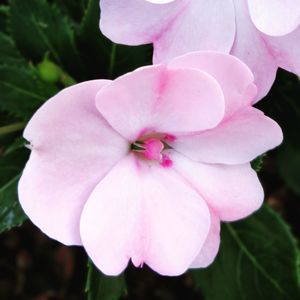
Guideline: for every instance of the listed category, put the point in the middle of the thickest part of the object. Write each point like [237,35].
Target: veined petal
[202,25]
[135,22]
[239,139]
[72,149]
[156,99]
[211,246]
[234,77]
[285,50]
[152,217]
[232,192]
[250,47]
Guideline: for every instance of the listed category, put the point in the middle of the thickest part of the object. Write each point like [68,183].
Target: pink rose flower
[265,34]
[144,167]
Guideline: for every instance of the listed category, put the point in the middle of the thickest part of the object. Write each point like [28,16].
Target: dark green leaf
[11,214]
[101,287]
[288,160]
[257,163]
[258,260]
[22,92]
[39,28]
[4,13]
[8,52]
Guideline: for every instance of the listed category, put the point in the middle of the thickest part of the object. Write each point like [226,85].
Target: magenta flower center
[152,149]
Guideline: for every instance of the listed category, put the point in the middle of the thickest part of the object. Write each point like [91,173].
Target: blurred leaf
[257,163]
[38,28]
[71,8]
[8,52]
[103,58]
[288,160]
[19,143]
[258,260]
[4,13]
[11,214]
[283,105]
[12,163]
[22,92]
[101,287]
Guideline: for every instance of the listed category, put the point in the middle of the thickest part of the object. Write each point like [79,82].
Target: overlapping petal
[232,192]
[250,47]
[234,77]
[211,246]
[237,140]
[73,148]
[156,99]
[275,17]
[135,22]
[150,213]
[285,50]
[202,25]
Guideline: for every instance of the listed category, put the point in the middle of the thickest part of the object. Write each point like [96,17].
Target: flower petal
[202,25]
[155,99]
[250,47]
[152,217]
[160,1]
[135,22]
[233,192]
[234,77]
[73,148]
[275,17]
[211,246]
[238,140]
[286,50]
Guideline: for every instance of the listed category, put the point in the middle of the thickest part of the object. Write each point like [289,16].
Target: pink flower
[144,167]
[265,34]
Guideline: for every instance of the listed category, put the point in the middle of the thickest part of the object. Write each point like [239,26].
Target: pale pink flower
[144,167]
[265,34]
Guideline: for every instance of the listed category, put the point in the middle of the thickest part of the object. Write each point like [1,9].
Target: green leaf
[101,287]
[22,92]
[257,163]
[258,260]
[38,28]
[11,214]
[8,51]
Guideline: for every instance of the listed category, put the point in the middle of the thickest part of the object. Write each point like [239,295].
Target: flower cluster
[264,34]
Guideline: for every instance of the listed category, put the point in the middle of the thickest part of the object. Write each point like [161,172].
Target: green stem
[112,60]
[12,128]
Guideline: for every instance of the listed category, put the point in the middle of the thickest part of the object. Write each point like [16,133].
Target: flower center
[152,149]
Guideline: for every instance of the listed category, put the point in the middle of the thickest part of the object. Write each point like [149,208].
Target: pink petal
[251,48]
[238,140]
[203,25]
[275,17]
[211,246]
[232,192]
[234,77]
[152,217]
[155,99]
[160,1]
[135,22]
[286,50]
[73,148]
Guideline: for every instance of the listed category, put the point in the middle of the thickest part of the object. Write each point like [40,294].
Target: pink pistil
[153,148]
